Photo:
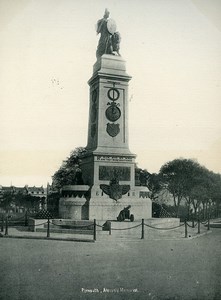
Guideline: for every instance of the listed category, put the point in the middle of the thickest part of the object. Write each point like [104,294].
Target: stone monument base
[102,207]
[110,209]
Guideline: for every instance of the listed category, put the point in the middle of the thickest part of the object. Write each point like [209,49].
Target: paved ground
[111,269]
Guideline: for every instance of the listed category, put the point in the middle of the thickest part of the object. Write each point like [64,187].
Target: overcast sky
[47,51]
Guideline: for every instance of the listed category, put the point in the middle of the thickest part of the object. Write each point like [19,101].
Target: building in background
[19,199]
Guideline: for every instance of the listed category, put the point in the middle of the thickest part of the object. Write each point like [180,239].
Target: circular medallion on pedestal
[113,113]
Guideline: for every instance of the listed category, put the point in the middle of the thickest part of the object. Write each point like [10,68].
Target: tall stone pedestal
[108,166]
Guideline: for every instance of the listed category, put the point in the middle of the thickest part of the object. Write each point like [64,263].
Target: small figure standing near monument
[109,42]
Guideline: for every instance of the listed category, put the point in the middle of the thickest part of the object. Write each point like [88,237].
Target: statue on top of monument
[109,42]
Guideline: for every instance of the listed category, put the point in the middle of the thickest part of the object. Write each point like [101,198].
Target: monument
[108,166]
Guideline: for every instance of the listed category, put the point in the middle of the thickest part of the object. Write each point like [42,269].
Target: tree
[66,174]
[215,192]
[178,177]
[196,190]
[11,201]
[30,203]
[154,185]
[7,201]
[198,196]
[206,189]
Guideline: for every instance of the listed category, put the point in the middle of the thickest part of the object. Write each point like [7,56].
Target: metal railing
[5,224]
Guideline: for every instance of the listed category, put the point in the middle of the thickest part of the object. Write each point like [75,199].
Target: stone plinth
[33,224]
[110,65]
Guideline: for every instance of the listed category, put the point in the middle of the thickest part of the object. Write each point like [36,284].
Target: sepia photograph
[110,142]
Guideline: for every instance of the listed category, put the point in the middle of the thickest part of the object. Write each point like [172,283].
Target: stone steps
[65,231]
[87,228]
[69,226]
[70,223]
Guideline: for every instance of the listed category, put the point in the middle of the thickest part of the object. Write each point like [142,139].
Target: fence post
[6,225]
[193,223]
[26,218]
[185,222]
[208,226]
[48,228]
[198,225]
[142,230]
[2,225]
[110,229]
[94,229]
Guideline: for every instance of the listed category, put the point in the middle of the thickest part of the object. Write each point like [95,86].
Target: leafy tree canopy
[179,177]
[187,179]
[66,174]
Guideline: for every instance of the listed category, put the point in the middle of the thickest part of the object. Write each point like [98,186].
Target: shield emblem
[115,191]
[111,26]
[113,129]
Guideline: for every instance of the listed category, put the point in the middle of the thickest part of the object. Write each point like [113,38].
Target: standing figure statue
[109,42]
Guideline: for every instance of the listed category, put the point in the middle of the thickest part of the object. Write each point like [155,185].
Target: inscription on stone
[110,172]
[114,158]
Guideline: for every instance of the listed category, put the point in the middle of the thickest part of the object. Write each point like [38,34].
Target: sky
[47,51]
